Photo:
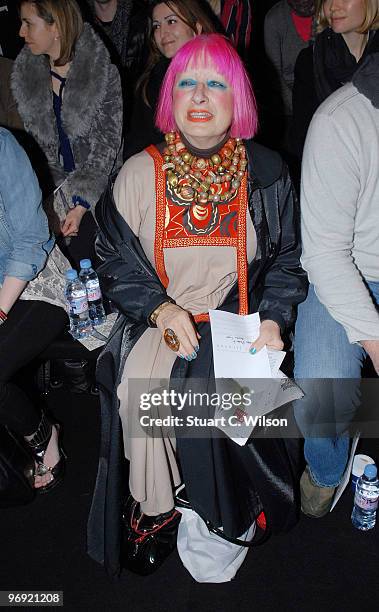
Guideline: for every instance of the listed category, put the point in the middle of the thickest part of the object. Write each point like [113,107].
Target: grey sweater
[282,45]
[340,207]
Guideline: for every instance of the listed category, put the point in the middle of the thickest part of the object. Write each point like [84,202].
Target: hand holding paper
[269,335]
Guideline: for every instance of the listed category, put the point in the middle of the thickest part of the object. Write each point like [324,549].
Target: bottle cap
[85,263]
[71,274]
[370,471]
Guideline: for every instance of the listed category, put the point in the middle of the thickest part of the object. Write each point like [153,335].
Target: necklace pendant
[168,166]
[172,179]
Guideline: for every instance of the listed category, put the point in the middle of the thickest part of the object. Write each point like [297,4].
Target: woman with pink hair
[206,220]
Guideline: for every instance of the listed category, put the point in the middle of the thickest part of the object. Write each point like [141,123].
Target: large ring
[171,339]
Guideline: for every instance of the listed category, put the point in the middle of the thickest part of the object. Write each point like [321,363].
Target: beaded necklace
[202,180]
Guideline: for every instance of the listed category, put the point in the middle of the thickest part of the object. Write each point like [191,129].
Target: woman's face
[345,16]
[40,37]
[170,32]
[202,106]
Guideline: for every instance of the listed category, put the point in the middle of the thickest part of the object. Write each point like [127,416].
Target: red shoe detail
[261,521]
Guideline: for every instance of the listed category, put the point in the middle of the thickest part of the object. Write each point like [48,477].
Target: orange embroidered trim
[201,318]
[160,243]
[242,251]
[171,243]
[160,203]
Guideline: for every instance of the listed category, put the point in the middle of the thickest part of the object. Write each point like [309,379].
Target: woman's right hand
[180,321]
[71,224]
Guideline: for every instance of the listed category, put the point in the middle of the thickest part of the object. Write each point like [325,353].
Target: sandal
[38,445]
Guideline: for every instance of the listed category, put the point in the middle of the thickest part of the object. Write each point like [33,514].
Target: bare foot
[50,459]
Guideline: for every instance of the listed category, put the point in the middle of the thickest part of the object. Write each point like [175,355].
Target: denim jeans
[323,352]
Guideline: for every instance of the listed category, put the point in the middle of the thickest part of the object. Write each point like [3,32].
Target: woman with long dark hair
[172,24]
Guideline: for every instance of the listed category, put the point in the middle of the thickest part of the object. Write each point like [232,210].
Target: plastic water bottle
[366,499]
[77,306]
[90,280]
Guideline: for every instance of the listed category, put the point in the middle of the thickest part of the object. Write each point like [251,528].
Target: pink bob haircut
[211,50]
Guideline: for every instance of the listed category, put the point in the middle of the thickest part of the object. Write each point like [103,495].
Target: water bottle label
[366,503]
[77,304]
[93,290]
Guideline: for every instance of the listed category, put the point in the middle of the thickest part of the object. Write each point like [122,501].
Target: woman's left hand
[269,335]
[71,224]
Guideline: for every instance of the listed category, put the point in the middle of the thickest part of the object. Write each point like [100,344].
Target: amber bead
[216,159]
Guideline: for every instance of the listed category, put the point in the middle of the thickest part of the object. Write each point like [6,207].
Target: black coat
[277,284]
[305,95]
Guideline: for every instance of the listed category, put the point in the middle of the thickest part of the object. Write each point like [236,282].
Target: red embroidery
[225,225]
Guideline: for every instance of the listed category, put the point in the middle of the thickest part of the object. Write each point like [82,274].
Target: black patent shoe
[147,540]
[38,445]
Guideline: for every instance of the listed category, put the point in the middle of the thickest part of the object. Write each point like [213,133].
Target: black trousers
[81,246]
[30,328]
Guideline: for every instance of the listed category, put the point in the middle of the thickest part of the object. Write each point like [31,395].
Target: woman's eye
[216,84]
[172,20]
[155,26]
[186,83]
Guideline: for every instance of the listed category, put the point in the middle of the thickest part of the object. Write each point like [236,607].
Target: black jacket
[277,284]
[305,96]
[126,38]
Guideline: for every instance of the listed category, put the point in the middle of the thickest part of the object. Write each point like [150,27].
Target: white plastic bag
[206,556]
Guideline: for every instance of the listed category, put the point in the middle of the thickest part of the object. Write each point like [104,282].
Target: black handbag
[16,471]
[144,550]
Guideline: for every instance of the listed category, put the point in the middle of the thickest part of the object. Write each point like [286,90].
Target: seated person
[32,310]
[69,97]
[338,324]
[207,220]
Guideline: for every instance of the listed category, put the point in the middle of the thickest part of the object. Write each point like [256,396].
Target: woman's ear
[55,31]
[199,27]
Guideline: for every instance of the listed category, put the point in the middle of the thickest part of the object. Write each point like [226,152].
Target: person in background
[236,18]
[338,324]
[69,98]
[9,116]
[171,24]
[287,30]
[348,32]
[32,312]
[10,43]
[122,24]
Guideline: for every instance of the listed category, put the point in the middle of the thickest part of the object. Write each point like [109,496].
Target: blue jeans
[323,352]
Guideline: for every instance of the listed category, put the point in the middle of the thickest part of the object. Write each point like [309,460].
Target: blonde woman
[347,34]
[69,97]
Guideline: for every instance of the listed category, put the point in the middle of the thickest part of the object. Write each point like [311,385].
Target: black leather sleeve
[285,281]
[127,278]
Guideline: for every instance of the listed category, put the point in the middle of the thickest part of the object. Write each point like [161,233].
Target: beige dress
[199,280]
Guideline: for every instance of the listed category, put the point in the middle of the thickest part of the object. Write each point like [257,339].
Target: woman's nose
[199,94]
[21,31]
[163,30]
[334,5]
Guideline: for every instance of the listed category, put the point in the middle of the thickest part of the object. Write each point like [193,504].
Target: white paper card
[232,336]
[238,372]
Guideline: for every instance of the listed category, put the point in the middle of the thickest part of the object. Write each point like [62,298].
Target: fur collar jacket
[91,115]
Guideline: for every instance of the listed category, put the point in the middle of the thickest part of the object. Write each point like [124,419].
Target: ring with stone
[171,339]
